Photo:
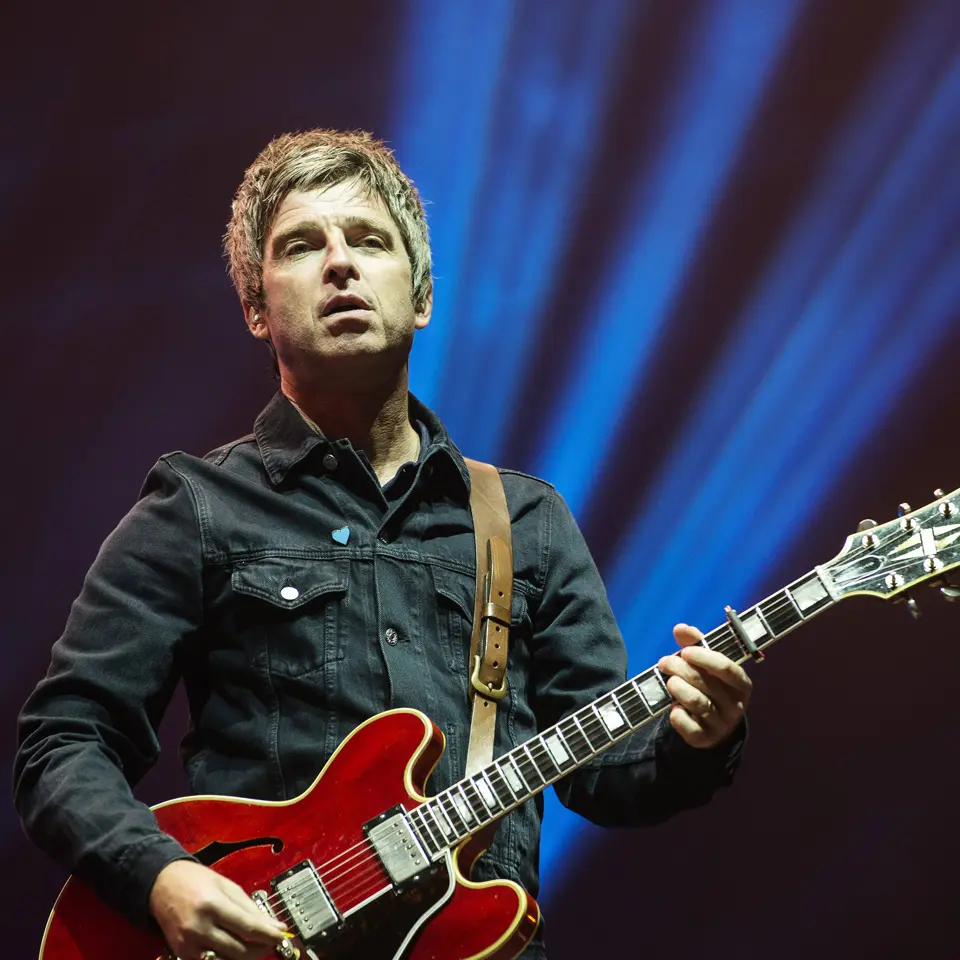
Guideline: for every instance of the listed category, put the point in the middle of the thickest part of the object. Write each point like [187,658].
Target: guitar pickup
[305,901]
[397,846]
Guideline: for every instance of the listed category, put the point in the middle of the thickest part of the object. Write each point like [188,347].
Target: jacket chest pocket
[455,596]
[294,608]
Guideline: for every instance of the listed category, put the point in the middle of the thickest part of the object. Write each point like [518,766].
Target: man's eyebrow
[307,227]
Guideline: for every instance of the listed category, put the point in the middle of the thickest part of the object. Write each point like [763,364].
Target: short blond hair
[321,158]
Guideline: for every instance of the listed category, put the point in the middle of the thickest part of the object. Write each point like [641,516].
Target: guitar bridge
[305,901]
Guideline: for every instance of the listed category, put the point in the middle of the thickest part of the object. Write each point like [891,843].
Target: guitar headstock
[885,560]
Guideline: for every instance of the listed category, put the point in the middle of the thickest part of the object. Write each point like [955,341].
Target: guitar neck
[477,801]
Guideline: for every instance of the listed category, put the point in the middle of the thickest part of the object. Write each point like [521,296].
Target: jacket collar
[285,440]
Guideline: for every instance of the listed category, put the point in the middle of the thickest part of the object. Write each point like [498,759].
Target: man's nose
[339,265]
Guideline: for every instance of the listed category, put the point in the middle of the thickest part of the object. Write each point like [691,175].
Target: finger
[676,666]
[721,667]
[730,702]
[695,701]
[690,729]
[685,635]
[228,947]
[710,667]
[239,896]
[241,918]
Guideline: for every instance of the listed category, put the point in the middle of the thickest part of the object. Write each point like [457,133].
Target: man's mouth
[344,302]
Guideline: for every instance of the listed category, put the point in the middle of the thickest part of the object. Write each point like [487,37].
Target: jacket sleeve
[579,656]
[88,732]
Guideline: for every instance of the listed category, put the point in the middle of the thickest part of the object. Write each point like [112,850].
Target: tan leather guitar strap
[491,611]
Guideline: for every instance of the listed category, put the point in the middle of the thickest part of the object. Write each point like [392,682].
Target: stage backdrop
[713,248]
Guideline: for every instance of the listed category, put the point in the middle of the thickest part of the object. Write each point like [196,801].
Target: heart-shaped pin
[342,535]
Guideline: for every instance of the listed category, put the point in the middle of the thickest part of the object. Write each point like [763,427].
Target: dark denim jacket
[227,574]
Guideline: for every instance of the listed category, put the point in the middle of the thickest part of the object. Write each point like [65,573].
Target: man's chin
[350,360]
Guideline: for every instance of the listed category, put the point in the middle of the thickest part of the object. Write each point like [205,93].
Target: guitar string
[345,864]
[372,862]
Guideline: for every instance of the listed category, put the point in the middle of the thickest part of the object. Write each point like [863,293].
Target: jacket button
[329,462]
[391,636]
[289,593]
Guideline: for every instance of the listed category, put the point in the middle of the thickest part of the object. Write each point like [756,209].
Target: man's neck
[377,422]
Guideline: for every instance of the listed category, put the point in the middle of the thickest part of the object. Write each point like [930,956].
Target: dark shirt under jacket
[195,583]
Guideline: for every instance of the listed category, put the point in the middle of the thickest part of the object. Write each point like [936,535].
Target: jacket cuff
[717,763]
[139,867]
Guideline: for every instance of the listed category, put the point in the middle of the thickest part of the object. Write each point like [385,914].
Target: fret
[766,623]
[533,763]
[452,814]
[541,757]
[464,807]
[596,732]
[633,706]
[810,595]
[572,731]
[514,777]
[501,786]
[436,832]
[436,827]
[486,793]
[610,716]
[653,689]
[726,643]
[780,613]
[477,807]
[789,596]
[528,770]
[757,630]
[452,804]
[602,722]
[421,830]
[440,815]
[557,747]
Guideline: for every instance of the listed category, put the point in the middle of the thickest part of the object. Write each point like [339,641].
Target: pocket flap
[289,582]
[461,590]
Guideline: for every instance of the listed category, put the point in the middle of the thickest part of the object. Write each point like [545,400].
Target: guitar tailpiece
[739,631]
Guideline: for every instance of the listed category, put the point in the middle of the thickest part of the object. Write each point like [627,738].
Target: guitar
[362,864]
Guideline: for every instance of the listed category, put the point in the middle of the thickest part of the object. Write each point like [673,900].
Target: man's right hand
[199,910]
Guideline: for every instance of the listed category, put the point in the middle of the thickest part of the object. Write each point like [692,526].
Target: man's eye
[373,241]
[298,247]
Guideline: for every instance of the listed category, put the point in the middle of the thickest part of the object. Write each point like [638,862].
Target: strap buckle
[485,689]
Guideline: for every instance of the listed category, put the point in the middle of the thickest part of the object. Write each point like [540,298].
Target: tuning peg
[938,493]
[912,607]
[902,509]
[865,525]
[950,592]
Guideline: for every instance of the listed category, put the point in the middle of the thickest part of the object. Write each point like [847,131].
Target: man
[321,570]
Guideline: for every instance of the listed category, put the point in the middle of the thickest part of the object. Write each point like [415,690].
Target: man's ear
[422,316]
[255,322]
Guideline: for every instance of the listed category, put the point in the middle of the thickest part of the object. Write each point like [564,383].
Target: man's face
[337,288]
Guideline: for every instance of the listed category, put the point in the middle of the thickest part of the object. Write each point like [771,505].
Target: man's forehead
[347,200]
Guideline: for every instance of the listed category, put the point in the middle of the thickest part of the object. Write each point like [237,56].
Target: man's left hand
[711,691]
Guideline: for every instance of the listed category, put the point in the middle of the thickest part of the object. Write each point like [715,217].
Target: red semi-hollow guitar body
[383,763]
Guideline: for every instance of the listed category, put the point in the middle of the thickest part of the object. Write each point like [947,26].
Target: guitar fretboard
[475,802]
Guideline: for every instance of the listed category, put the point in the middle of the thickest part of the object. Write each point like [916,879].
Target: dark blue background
[714,247]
